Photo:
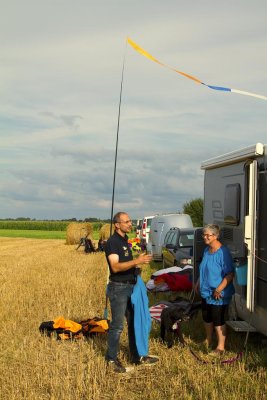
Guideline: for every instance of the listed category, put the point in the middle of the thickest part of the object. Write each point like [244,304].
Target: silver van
[160,225]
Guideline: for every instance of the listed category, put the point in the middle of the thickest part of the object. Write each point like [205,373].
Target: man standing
[123,274]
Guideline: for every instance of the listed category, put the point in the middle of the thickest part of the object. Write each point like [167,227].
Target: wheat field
[43,279]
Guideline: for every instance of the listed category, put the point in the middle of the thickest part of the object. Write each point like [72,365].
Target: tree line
[193,207]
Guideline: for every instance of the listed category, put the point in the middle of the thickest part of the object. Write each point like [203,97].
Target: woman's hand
[217,294]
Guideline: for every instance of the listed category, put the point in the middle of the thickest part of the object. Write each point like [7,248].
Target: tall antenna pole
[117,141]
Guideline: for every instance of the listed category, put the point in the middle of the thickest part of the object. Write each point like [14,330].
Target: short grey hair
[215,229]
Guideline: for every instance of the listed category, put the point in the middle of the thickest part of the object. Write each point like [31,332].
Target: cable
[114,174]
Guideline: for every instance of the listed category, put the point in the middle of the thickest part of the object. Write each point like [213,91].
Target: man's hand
[117,266]
[144,258]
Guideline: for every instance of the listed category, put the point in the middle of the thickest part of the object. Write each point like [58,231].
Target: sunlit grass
[43,279]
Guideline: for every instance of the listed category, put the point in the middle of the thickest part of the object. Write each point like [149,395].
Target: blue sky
[60,68]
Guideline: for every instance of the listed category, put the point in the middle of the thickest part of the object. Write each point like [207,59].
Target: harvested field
[44,279]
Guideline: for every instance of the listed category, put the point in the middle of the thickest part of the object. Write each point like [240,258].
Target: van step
[241,326]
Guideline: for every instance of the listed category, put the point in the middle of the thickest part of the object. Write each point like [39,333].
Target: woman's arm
[225,282]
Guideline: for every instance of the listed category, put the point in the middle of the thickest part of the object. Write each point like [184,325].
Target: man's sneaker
[116,366]
[146,360]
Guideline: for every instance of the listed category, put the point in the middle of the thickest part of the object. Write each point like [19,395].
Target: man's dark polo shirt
[119,245]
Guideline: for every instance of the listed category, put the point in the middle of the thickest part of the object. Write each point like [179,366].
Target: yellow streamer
[150,57]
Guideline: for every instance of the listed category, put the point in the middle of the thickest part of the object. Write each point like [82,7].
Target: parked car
[145,230]
[178,244]
[160,225]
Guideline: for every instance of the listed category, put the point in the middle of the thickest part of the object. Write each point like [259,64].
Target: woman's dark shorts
[212,313]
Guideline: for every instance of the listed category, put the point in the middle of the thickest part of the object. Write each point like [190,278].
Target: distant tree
[195,209]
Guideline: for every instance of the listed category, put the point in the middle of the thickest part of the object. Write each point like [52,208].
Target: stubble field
[43,279]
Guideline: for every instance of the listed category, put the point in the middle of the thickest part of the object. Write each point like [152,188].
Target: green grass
[37,234]
[32,234]
[35,225]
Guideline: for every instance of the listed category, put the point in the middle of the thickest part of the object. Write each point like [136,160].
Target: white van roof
[171,215]
[234,156]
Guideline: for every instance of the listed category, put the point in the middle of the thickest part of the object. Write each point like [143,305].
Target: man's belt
[129,281]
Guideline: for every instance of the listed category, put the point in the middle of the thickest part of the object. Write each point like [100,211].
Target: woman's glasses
[206,235]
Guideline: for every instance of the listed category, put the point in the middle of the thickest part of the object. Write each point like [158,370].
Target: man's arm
[117,266]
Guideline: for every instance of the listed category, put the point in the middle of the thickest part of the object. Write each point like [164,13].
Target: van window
[186,240]
[174,238]
[169,239]
[166,240]
[232,204]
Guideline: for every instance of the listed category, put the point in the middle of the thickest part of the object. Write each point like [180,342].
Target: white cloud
[60,67]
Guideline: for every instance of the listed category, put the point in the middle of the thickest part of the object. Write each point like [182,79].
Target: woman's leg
[218,317]
[208,324]
[209,332]
[221,336]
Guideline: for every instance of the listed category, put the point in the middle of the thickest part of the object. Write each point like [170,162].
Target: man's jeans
[119,295]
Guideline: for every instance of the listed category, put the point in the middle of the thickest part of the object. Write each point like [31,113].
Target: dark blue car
[178,244]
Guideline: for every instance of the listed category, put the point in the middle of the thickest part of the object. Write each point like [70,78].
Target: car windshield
[186,240]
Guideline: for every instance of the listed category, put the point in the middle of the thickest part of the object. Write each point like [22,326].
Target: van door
[156,238]
[198,250]
[250,233]
[168,249]
[160,239]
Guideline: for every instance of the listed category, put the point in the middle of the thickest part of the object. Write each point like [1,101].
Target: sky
[60,80]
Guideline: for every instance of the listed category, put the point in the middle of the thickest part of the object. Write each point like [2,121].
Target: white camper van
[160,225]
[138,228]
[145,230]
[235,198]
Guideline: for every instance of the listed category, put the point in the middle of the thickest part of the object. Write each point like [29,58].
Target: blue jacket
[142,318]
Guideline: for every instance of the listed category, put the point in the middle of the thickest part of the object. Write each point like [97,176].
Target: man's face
[125,223]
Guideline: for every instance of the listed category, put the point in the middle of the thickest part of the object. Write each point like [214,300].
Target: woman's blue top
[213,268]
